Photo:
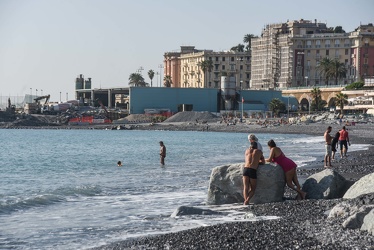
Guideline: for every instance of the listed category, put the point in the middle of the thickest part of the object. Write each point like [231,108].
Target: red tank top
[343,135]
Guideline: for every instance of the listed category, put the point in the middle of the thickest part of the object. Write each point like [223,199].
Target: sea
[62,189]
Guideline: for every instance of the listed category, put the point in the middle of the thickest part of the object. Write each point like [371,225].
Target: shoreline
[302,224]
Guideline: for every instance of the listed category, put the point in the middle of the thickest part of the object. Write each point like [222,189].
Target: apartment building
[288,54]
[186,71]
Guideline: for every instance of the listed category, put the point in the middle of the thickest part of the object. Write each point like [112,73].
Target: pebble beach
[301,224]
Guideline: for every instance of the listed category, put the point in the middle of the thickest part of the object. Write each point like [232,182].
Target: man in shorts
[253,158]
[328,140]
[162,152]
[343,142]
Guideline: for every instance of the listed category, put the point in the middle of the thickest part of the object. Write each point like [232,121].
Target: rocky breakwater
[357,210]
[226,184]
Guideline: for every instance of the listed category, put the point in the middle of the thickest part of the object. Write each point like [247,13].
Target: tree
[137,80]
[316,98]
[341,100]
[247,39]
[151,74]
[337,70]
[339,29]
[206,65]
[238,48]
[355,85]
[324,68]
[277,106]
[168,81]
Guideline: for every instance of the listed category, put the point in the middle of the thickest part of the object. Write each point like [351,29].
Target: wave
[14,203]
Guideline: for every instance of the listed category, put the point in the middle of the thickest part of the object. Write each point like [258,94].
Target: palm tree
[136,80]
[276,106]
[337,70]
[341,100]
[316,95]
[206,65]
[151,74]
[168,81]
[324,68]
[247,39]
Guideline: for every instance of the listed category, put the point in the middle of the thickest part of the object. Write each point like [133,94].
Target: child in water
[119,163]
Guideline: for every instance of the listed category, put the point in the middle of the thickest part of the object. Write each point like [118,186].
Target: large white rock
[368,223]
[327,184]
[226,184]
[365,185]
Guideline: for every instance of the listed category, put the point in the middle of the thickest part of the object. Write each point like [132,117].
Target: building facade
[288,54]
[186,71]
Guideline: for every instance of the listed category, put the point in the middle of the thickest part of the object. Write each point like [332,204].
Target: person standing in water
[162,153]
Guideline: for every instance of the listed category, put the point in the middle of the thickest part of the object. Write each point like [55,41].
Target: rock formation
[226,184]
[327,184]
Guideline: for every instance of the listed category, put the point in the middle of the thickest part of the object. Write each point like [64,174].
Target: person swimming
[119,164]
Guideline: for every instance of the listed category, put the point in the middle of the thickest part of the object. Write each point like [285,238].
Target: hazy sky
[46,44]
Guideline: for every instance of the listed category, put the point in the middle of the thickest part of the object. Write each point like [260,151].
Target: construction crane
[41,108]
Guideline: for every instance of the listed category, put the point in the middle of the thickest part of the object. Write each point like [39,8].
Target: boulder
[327,184]
[365,185]
[356,213]
[368,223]
[185,210]
[226,184]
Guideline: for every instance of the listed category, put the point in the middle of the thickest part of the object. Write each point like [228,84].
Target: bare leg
[296,181]
[246,189]
[253,183]
[289,178]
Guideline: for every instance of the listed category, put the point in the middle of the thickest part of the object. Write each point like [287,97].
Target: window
[232,66]
[308,52]
[223,59]
[318,44]
[217,59]
[241,67]
[327,52]
[232,59]
[223,67]
[337,43]
[248,76]
[216,67]
[346,51]
[327,43]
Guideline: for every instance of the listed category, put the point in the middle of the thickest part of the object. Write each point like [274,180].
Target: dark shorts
[343,143]
[250,172]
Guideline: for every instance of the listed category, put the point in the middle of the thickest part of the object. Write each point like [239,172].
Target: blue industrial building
[197,99]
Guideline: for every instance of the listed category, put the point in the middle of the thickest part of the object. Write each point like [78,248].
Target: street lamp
[241,117]
[157,77]
[41,91]
[306,81]
[67,96]
[288,109]
[36,92]
[60,96]
[30,95]
[161,67]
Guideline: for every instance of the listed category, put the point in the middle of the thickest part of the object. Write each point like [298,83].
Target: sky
[46,44]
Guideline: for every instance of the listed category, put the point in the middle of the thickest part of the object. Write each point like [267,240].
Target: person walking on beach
[334,144]
[253,138]
[162,153]
[253,157]
[288,166]
[328,154]
[343,140]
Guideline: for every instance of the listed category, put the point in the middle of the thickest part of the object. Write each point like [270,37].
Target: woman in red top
[343,141]
[288,166]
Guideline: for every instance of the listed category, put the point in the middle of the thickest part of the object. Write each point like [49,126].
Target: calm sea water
[62,189]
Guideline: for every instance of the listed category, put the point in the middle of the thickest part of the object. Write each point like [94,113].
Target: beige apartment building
[186,72]
[288,54]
